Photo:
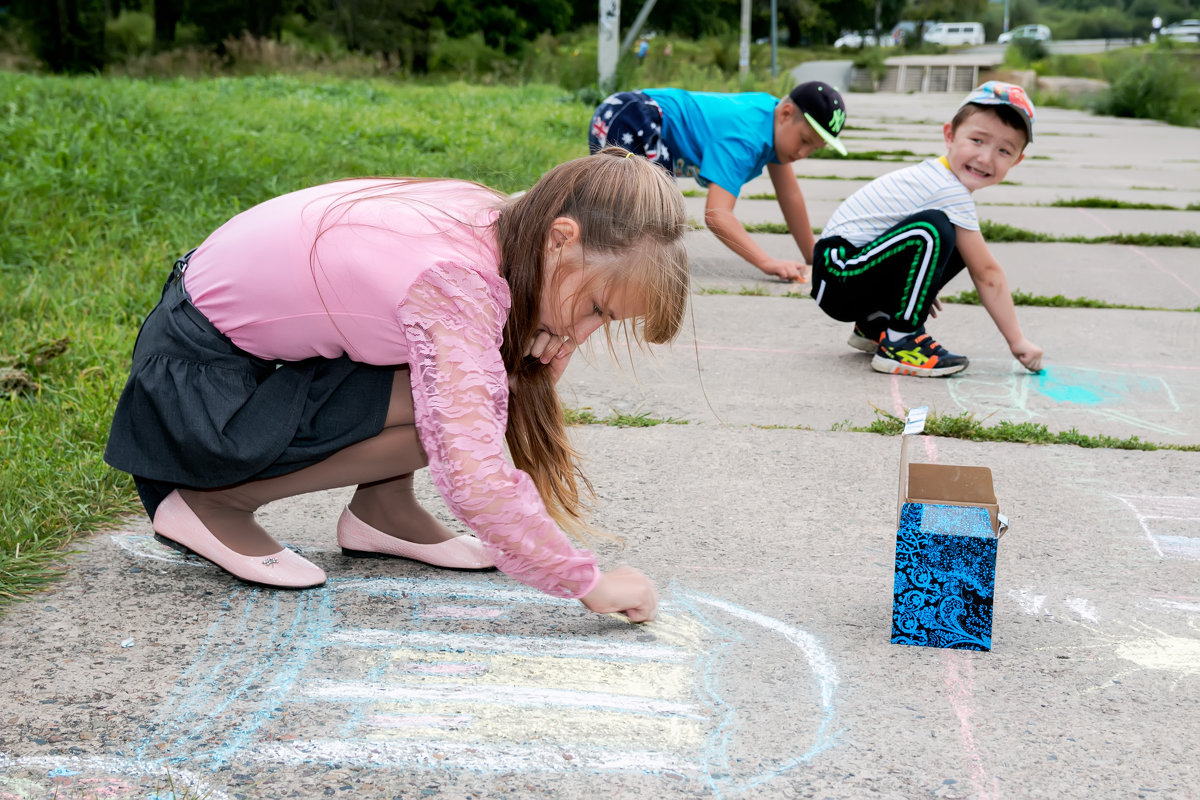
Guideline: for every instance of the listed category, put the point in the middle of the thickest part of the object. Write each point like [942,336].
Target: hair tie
[629,154]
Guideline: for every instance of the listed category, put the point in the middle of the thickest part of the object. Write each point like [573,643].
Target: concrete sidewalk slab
[1152,277]
[779,361]
[768,674]
[1053,221]
[836,188]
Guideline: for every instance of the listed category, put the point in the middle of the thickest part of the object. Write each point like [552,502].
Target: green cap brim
[829,138]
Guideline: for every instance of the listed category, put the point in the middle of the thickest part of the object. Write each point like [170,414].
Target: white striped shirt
[894,197]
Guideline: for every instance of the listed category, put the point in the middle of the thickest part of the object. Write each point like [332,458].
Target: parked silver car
[1039,33]
[1186,31]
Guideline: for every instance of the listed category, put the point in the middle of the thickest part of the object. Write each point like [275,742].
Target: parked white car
[1186,31]
[1039,33]
[955,33]
[856,39]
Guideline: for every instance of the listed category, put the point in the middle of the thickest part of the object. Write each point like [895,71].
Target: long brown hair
[632,219]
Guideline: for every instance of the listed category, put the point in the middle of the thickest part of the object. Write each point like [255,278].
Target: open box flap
[943,484]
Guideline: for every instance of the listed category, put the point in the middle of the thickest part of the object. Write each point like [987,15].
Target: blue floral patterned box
[945,577]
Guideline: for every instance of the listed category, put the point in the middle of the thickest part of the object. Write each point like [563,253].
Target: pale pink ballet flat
[177,526]
[360,540]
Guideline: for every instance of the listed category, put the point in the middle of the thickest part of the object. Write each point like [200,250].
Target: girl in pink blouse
[351,333]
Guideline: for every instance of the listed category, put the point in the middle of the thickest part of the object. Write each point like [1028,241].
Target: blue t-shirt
[718,138]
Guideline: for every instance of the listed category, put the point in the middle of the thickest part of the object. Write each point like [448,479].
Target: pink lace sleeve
[454,326]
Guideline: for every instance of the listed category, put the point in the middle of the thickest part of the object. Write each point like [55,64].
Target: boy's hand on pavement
[1029,354]
[623,591]
[796,271]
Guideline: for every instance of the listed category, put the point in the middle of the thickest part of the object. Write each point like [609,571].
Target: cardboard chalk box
[948,530]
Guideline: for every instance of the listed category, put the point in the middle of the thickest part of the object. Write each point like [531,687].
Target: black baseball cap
[823,107]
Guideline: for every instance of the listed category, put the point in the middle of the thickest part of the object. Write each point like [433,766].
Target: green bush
[129,34]
[871,59]
[469,58]
[1102,22]
[1029,50]
[297,31]
[1070,65]
[1159,84]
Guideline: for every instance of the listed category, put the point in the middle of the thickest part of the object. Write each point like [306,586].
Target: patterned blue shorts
[633,121]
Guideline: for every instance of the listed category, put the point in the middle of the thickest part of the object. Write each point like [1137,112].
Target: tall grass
[103,182]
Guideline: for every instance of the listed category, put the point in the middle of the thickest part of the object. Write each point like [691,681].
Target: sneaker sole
[862,343]
[889,367]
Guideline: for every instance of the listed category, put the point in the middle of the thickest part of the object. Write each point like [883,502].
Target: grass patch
[106,181]
[617,419]
[967,426]
[767,227]
[1002,232]
[970,297]
[1104,202]
[870,155]
[858,179]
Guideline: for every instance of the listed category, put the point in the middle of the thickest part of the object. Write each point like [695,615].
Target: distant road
[1062,47]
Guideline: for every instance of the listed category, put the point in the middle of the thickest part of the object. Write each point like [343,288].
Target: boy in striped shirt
[893,244]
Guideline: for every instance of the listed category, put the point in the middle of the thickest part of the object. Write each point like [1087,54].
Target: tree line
[69,35]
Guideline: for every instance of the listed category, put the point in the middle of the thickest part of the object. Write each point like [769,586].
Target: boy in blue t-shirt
[891,246]
[725,140]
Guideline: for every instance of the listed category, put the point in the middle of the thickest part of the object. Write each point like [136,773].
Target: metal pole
[744,50]
[774,39]
[606,51]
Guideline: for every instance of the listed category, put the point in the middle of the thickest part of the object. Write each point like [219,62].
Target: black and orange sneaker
[916,354]
[865,337]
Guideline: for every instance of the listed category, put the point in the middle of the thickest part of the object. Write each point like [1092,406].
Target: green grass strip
[1082,202]
[1002,232]
[869,155]
[967,426]
[1104,202]
[617,419]
[767,227]
[970,297]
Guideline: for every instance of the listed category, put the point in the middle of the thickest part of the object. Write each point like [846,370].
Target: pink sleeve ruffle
[453,321]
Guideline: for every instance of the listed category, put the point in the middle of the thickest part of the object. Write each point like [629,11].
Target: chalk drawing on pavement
[1145,646]
[1140,401]
[482,674]
[1171,524]
[1150,649]
[85,777]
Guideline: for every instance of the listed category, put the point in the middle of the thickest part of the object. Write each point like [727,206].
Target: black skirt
[199,412]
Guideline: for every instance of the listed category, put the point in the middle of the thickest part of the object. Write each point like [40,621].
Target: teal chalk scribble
[1087,387]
